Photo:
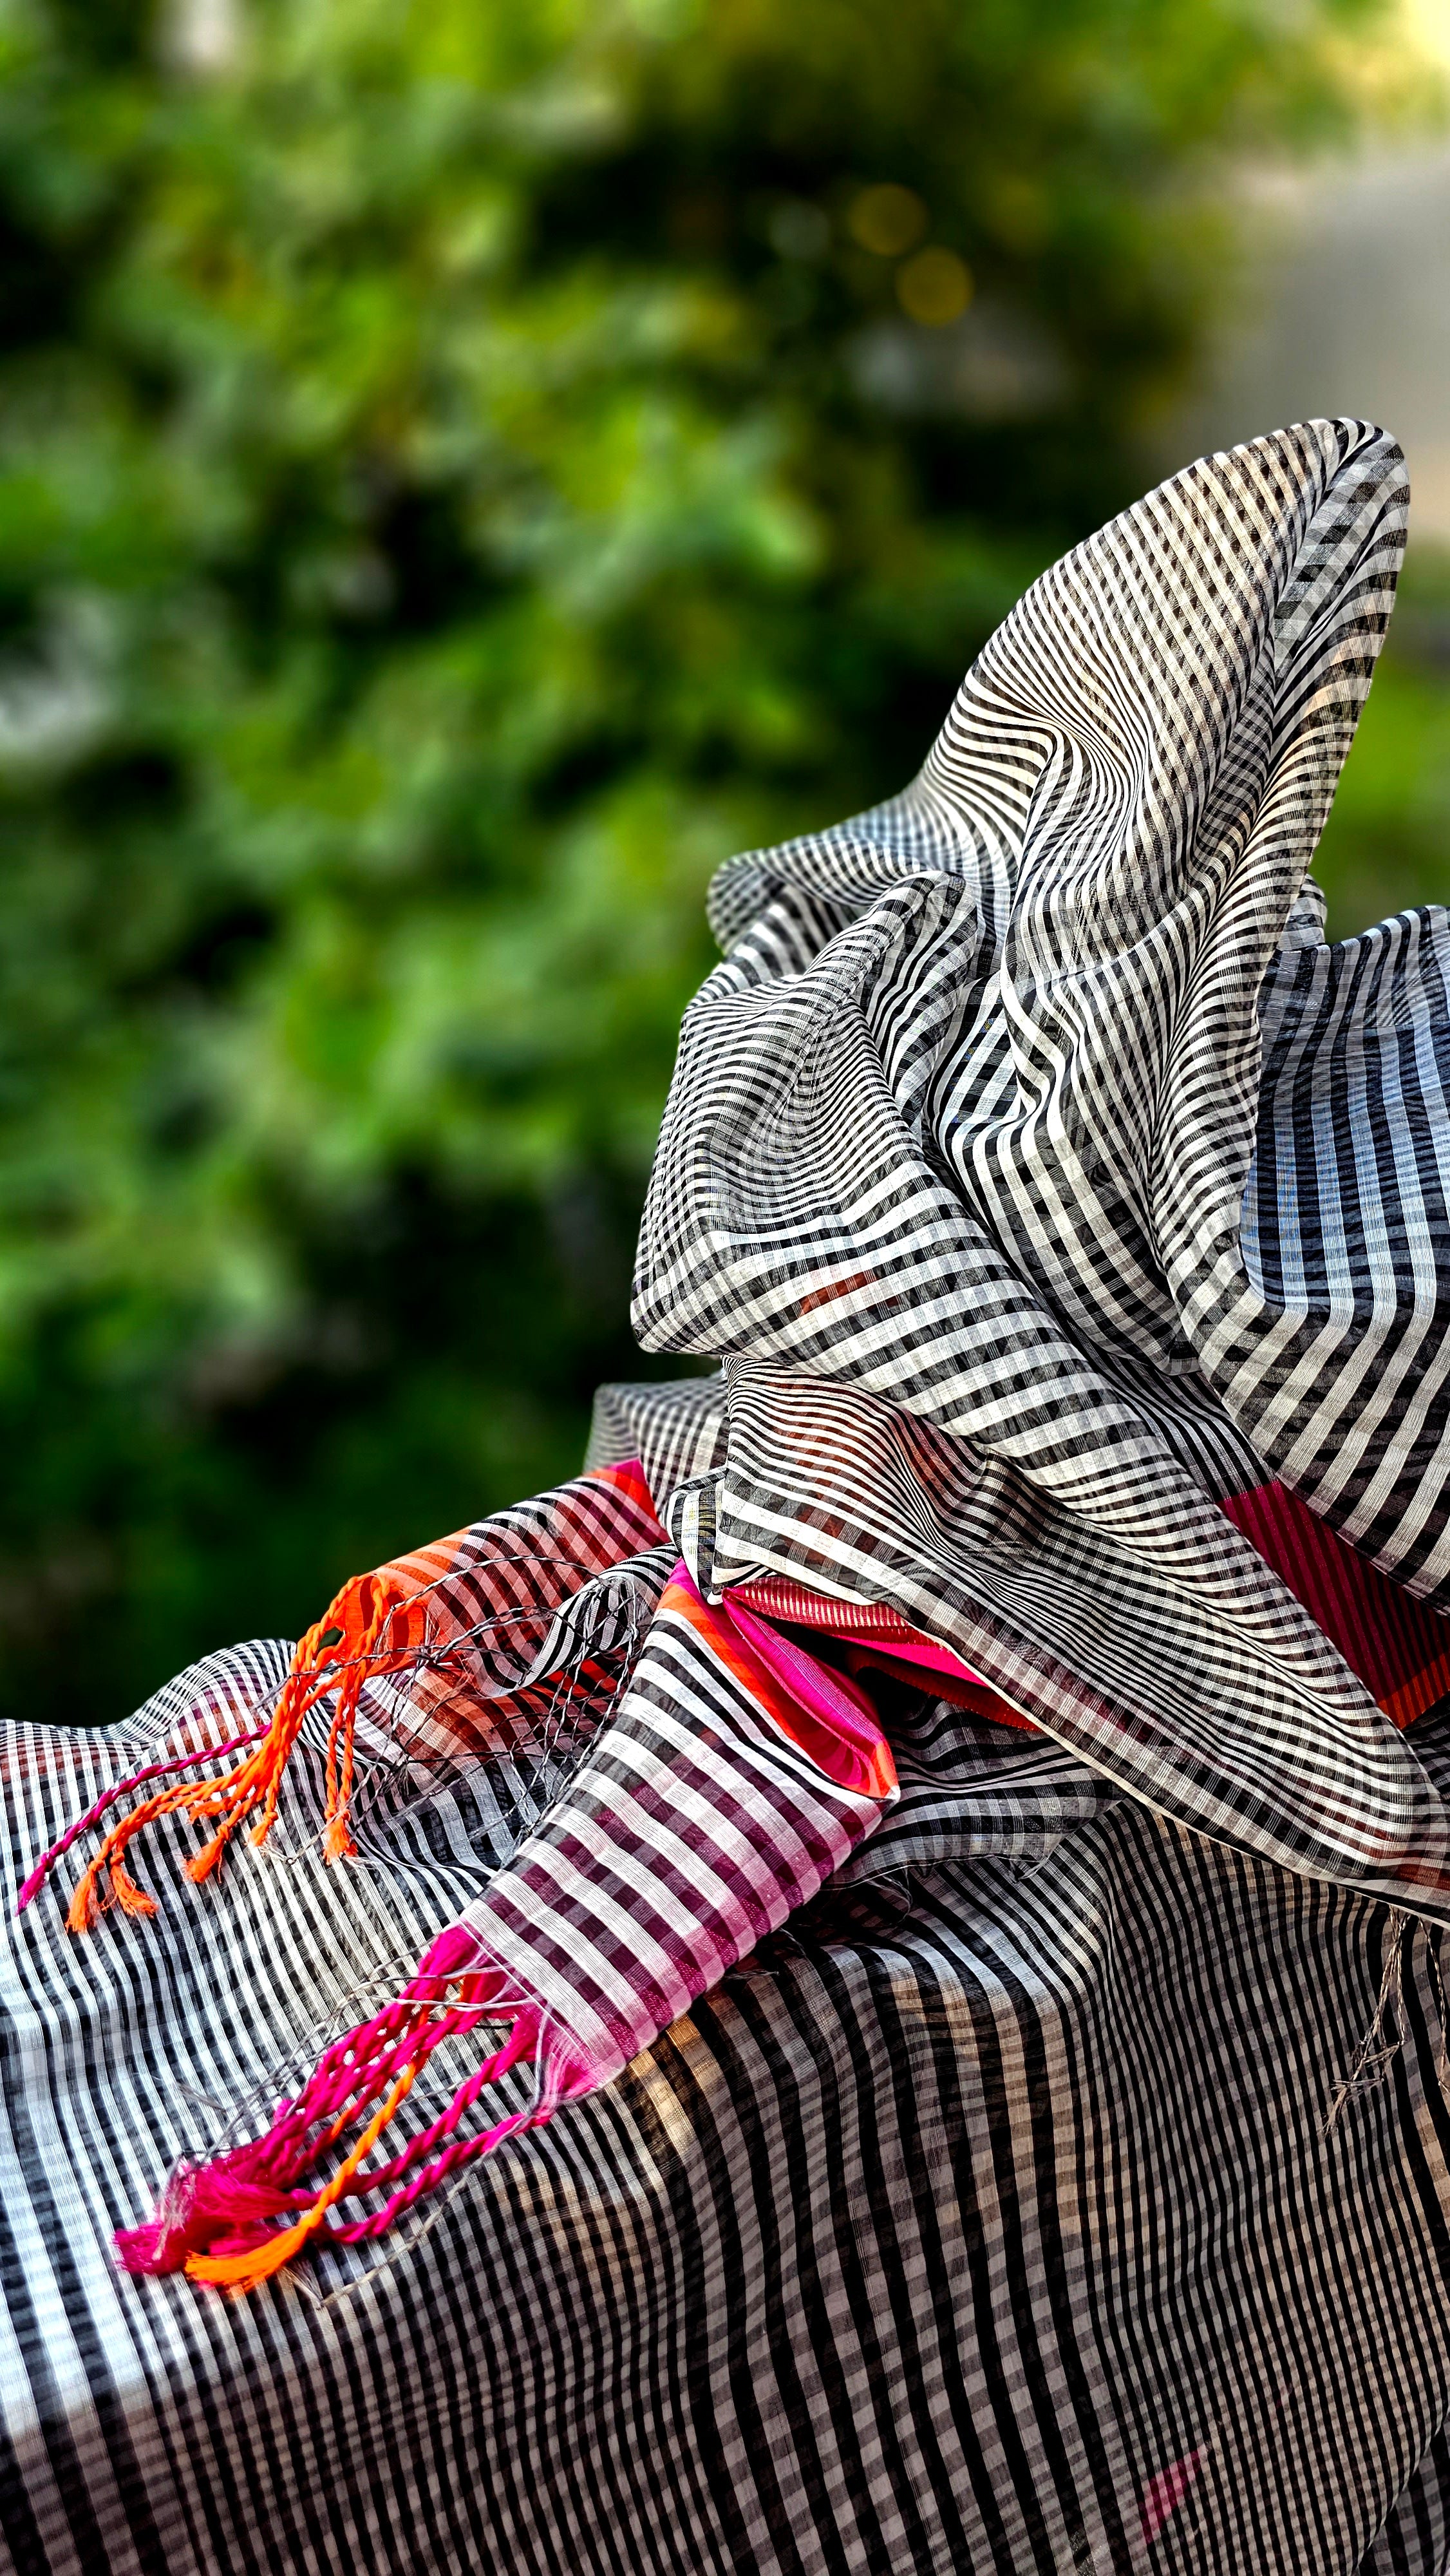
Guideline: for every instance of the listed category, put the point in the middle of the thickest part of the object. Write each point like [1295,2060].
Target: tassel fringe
[379,1624]
[218,2221]
[373,1627]
[122,1789]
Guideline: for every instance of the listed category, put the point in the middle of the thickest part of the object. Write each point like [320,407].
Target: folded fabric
[733,1775]
[1050,1188]
[1071,1224]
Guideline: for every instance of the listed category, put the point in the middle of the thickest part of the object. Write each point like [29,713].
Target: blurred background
[466,468]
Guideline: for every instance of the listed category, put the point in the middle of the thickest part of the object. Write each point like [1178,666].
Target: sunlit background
[464,469]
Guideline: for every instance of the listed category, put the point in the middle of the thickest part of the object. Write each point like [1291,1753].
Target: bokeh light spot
[934,287]
[888,219]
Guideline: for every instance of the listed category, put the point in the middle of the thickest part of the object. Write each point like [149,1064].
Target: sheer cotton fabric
[1065,2185]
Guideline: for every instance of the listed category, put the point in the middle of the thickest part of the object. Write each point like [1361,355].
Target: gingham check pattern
[1064,2186]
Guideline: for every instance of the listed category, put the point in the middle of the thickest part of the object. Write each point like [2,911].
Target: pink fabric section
[1163,2495]
[627,1476]
[931,1658]
[880,1634]
[776,1596]
[832,1697]
[1399,1648]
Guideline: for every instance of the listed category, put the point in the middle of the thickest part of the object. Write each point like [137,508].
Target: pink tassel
[222,2213]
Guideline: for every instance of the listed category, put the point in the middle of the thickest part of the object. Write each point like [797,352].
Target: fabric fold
[1067,1222]
[731,1780]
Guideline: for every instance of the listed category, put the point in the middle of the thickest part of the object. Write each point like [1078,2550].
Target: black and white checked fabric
[1065,2187]
[932,2240]
[962,1133]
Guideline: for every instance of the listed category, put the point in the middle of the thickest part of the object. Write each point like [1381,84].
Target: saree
[857,1988]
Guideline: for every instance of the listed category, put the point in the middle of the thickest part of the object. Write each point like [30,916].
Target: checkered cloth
[1063,2184]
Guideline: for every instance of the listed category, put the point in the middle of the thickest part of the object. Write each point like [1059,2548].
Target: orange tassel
[371,1628]
[87,1901]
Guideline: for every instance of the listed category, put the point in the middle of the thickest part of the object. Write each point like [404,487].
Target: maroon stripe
[1387,1637]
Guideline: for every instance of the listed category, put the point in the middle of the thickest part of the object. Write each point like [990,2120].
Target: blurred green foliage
[1387,842]
[464,469]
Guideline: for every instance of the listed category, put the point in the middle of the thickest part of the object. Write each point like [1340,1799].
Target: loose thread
[1377,2051]
[1433,1941]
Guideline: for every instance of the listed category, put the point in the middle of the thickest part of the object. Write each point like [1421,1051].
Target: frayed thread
[1379,2047]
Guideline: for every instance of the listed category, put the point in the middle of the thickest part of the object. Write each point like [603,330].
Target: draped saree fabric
[955,1801]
